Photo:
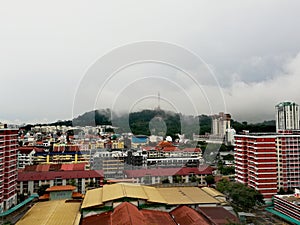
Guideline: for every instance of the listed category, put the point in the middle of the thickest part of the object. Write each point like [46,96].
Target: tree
[165,181]
[42,189]
[177,179]
[243,197]
[72,182]
[228,157]
[210,179]
[91,184]
[227,170]
[193,178]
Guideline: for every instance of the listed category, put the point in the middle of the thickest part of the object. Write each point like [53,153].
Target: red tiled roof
[30,168]
[44,197]
[61,188]
[218,215]
[185,215]
[55,167]
[73,166]
[77,195]
[38,149]
[191,150]
[103,219]
[51,175]
[170,149]
[169,171]
[154,217]
[70,148]
[25,149]
[151,172]
[164,144]
[128,214]
[148,148]
[42,167]
[195,170]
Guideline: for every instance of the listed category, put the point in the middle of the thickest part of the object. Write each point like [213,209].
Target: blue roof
[139,140]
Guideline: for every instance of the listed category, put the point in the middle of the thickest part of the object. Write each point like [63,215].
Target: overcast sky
[48,48]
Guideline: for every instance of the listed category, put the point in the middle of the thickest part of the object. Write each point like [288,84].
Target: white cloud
[256,101]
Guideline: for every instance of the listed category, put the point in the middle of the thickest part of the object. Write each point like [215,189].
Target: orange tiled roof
[77,195]
[61,188]
[44,197]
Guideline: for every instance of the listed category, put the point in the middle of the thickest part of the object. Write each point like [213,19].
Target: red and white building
[8,167]
[268,162]
[32,177]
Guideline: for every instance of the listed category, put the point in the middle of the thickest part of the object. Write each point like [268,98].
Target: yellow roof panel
[153,195]
[92,197]
[173,196]
[166,195]
[198,196]
[112,191]
[134,191]
[52,212]
[213,192]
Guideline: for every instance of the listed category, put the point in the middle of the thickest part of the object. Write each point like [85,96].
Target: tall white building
[220,123]
[287,116]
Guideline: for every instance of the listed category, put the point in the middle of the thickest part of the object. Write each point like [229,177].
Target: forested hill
[148,121]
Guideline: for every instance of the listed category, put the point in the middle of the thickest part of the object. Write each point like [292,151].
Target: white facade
[220,123]
[287,116]
[25,159]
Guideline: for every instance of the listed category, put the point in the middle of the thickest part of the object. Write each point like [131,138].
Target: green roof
[283,216]
[286,104]
[19,205]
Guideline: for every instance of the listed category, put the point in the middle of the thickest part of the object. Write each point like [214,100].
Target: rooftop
[127,213]
[290,198]
[166,195]
[218,215]
[184,215]
[286,103]
[213,192]
[52,212]
[169,171]
[51,175]
[61,188]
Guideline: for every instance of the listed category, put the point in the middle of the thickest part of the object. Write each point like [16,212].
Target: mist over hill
[157,122]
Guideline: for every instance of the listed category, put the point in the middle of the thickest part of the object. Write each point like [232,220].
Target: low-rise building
[170,175]
[108,197]
[30,179]
[288,205]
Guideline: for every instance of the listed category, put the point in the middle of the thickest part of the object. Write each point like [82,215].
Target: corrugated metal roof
[128,214]
[52,213]
[218,215]
[92,198]
[157,217]
[213,192]
[184,215]
[173,196]
[111,192]
[154,195]
[134,191]
[170,195]
[198,196]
